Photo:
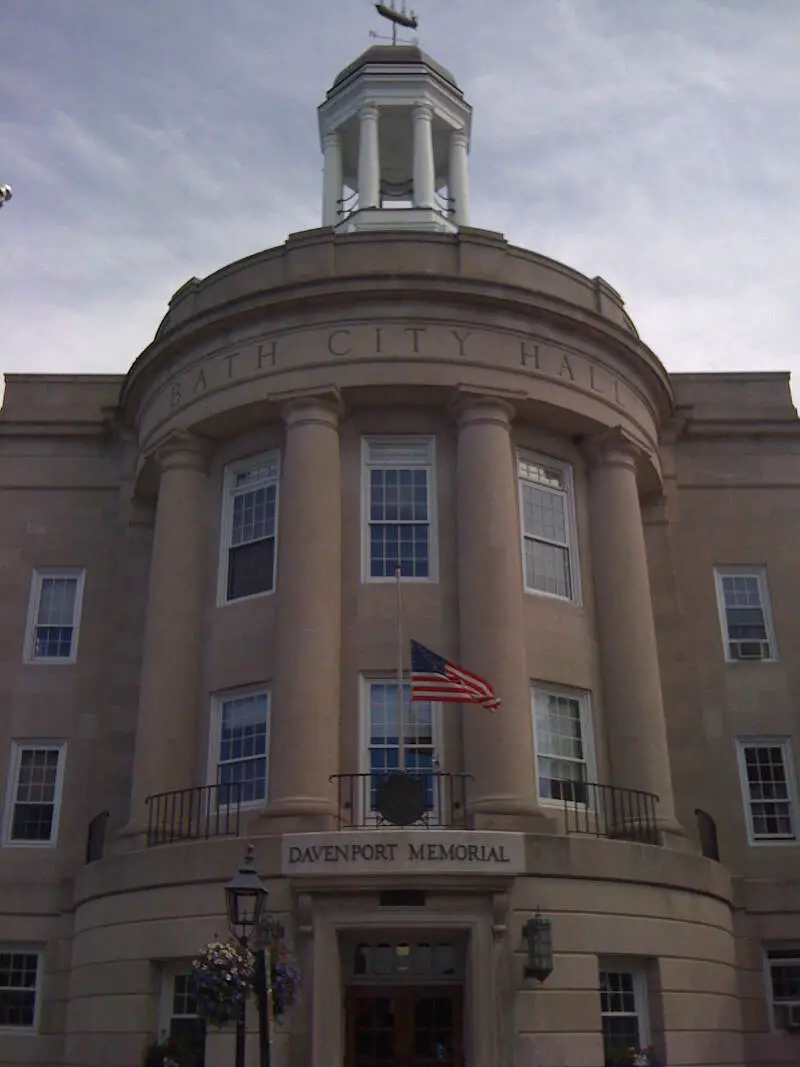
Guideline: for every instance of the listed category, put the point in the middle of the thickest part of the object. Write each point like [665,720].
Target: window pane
[34,796]
[768,788]
[18,972]
[547,568]
[243,747]
[251,569]
[544,514]
[399,523]
[57,602]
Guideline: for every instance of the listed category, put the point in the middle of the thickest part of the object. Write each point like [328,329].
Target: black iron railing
[96,837]
[188,814]
[445,800]
[608,811]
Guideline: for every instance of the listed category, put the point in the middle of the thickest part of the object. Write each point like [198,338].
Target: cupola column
[169,696]
[304,734]
[498,747]
[369,163]
[459,179]
[634,708]
[332,179]
[424,170]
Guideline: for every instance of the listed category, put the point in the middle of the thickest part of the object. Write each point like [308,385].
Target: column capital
[325,409]
[332,139]
[458,138]
[184,450]
[423,112]
[613,447]
[369,111]
[470,408]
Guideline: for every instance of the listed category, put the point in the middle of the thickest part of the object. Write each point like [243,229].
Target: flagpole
[401,740]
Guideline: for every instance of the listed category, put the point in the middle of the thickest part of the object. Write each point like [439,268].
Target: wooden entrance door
[405,1026]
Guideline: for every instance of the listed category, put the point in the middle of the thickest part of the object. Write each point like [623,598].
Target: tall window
[420,735]
[548,522]
[743,599]
[399,507]
[770,792]
[783,966]
[240,748]
[19,987]
[179,1020]
[34,793]
[623,1011]
[249,528]
[564,760]
[53,616]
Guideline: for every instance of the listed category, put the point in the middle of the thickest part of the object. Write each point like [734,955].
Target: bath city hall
[569,835]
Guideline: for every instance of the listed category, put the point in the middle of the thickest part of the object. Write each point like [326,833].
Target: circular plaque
[400,799]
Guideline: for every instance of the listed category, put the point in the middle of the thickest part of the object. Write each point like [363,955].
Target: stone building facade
[199,648]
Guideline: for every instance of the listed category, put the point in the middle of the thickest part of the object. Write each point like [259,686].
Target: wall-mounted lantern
[538,937]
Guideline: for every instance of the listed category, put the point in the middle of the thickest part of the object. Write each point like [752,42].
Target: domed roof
[395,56]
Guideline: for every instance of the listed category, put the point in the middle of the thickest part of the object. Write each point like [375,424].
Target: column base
[295,815]
[511,813]
[130,838]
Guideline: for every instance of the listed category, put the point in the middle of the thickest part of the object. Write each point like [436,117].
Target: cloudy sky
[654,142]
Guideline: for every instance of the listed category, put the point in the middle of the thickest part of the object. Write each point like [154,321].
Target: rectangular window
[548,524]
[744,611]
[54,616]
[399,494]
[179,1020]
[564,751]
[783,992]
[19,983]
[420,737]
[240,748]
[766,766]
[34,793]
[623,1012]
[249,528]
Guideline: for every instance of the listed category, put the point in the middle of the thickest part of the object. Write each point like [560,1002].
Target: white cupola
[395,131]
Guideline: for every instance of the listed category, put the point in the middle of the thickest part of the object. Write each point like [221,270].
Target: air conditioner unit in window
[752,650]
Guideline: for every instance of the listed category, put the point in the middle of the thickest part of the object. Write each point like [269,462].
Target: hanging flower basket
[223,974]
[285,984]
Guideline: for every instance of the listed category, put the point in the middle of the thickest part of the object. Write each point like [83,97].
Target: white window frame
[169,972]
[793,959]
[587,736]
[78,574]
[215,732]
[785,745]
[412,442]
[226,526]
[27,950]
[571,544]
[17,748]
[760,574]
[367,681]
[637,969]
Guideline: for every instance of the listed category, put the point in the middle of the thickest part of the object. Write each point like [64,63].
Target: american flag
[435,678]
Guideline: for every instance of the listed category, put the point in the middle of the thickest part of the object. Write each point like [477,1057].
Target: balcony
[608,811]
[194,814]
[419,800]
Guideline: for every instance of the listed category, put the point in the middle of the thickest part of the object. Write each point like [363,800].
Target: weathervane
[397,18]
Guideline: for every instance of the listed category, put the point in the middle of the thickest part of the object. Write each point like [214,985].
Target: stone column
[369,162]
[498,747]
[332,179]
[459,179]
[169,696]
[424,169]
[634,709]
[304,734]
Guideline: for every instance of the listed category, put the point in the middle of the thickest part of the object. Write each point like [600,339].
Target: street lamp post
[246,901]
